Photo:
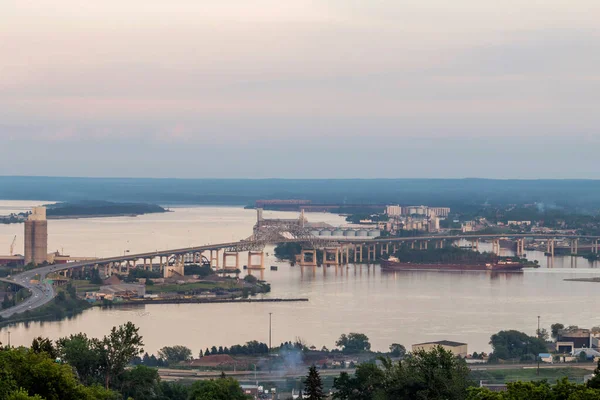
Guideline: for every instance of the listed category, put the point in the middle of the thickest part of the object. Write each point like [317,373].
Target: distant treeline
[448,255]
[88,208]
[458,194]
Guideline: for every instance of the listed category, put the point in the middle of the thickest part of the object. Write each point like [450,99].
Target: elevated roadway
[43,292]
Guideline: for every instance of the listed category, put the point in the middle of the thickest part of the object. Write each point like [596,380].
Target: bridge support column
[574,245]
[260,254]
[426,243]
[412,245]
[335,252]
[496,246]
[395,247]
[595,246]
[550,247]
[214,258]
[229,254]
[371,252]
[358,251]
[313,260]
[476,244]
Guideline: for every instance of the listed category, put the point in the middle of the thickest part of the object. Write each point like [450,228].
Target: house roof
[448,343]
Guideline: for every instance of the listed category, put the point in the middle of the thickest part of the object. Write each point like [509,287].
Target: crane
[12,245]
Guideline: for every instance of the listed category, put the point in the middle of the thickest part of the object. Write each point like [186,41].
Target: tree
[44,345]
[542,334]
[555,328]
[313,387]
[515,345]
[175,354]
[563,390]
[22,394]
[117,349]
[594,382]
[217,389]
[353,343]
[397,350]
[437,374]
[140,383]
[26,372]
[6,303]
[81,353]
[201,354]
[174,391]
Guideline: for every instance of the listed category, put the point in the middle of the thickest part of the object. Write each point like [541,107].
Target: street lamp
[270,314]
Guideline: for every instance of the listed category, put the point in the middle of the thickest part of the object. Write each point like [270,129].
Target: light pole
[270,314]
[538,330]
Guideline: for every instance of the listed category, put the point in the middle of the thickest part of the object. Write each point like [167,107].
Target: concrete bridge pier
[335,252]
[412,245]
[214,258]
[371,252]
[312,253]
[550,247]
[395,247]
[574,245]
[496,246]
[251,264]
[358,253]
[234,255]
[520,247]
[595,246]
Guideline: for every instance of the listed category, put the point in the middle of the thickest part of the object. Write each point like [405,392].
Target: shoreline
[592,280]
[201,301]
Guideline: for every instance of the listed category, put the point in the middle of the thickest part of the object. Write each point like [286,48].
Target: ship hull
[400,266]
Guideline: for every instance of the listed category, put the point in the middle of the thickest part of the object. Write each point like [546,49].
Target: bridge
[266,232]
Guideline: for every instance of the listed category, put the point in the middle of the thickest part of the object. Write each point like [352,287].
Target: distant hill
[455,193]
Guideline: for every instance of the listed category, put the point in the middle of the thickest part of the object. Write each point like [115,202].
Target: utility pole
[270,314]
[538,356]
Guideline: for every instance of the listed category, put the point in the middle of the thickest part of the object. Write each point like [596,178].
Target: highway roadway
[41,293]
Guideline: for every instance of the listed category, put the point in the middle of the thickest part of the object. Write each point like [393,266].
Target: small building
[545,357]
[457,348]
[565,347]
[580,337]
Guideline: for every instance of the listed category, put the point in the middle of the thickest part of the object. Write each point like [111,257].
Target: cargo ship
[504,265]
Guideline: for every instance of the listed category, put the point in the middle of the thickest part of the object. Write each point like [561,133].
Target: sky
[300,88]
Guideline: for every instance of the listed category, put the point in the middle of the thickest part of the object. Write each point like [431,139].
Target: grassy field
[530,374]
[85,286]
[188,287]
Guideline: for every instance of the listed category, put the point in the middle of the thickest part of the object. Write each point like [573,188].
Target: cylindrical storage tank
[325,232]
[315,232]
[374,233]
[361,232]
[338,232]
[350,233]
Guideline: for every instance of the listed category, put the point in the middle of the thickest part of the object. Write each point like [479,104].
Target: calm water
[404,307]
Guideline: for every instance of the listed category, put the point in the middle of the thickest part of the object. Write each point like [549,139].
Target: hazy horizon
[300,89]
